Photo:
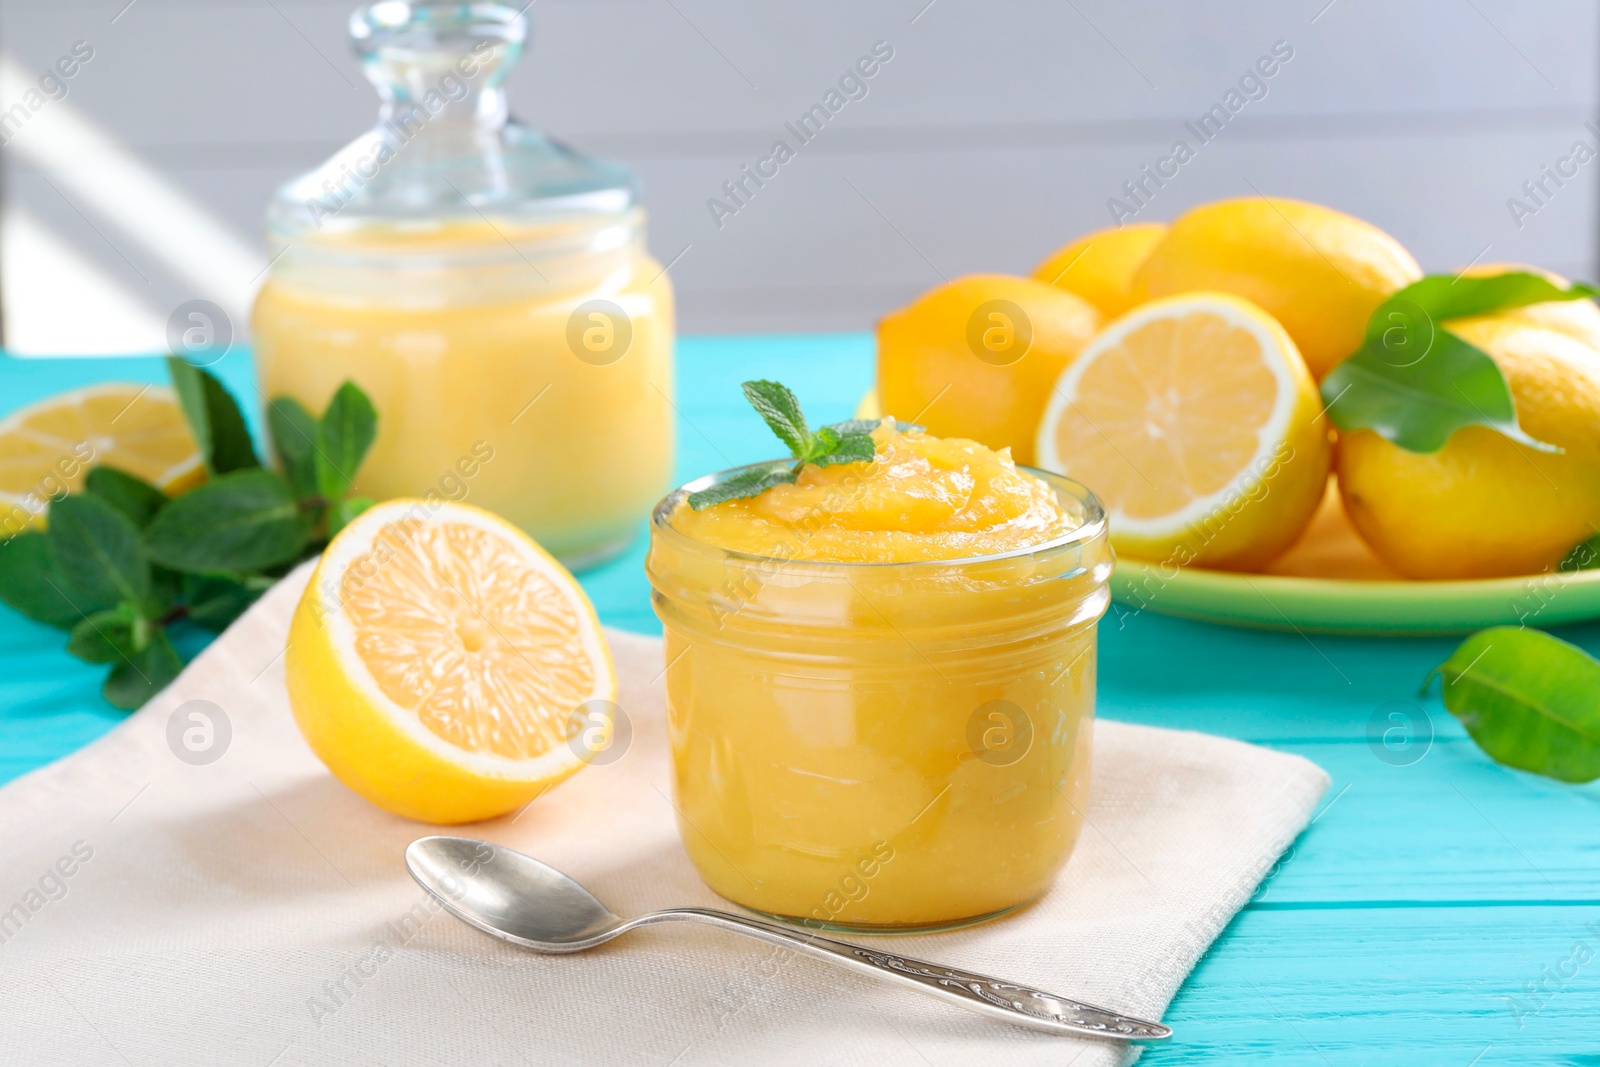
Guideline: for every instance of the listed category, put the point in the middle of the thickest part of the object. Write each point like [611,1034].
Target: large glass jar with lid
[488,287]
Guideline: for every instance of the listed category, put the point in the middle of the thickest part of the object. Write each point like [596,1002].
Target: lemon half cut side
[439,659]
[1196,421]
[47,448]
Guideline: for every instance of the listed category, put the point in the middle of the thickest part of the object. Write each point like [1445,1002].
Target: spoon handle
[977,992]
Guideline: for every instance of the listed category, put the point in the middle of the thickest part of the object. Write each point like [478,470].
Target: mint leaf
[748,483]
[98,552]
[244,521]
[1443,296]
[31,583]
[780,409]
[345,433]
[855,448]
[165,587]
[823,441]
[1419,404]
[294,442]
[843,442]
[136,498]
[1529,700]
[213,417]
[120,633]
[215,601]
[135,680]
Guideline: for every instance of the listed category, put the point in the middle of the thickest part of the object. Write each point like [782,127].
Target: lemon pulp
[439,659]
[46,449]
[1196,421]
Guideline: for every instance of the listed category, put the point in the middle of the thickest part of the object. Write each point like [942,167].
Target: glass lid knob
[445,148]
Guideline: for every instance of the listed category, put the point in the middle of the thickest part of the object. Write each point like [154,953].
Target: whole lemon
[1101,266]
[1319,272]
[1578,319]
[976,357]
[1485,506]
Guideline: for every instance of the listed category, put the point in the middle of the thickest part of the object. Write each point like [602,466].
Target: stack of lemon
[1174,370]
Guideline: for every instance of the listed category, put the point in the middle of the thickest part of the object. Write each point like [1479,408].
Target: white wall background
[997,132]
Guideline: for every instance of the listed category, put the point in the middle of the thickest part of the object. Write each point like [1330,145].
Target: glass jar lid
[445,149]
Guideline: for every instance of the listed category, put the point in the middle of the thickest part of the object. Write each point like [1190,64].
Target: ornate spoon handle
[1014,1003]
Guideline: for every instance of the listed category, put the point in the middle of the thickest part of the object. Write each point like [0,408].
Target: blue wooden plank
[1404,815]
[1419,987]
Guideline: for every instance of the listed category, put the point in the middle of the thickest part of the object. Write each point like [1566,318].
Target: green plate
[1347,606]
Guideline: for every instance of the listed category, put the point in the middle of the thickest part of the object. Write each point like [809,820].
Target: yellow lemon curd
[527,372]
[880,681]
[923,498]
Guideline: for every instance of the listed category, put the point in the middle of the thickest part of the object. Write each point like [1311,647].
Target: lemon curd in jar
[880,682]
[487,287]
[538,389]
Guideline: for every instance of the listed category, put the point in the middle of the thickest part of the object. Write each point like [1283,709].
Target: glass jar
[871,747]
[487,287]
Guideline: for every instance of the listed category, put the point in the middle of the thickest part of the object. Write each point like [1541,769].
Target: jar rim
[1094,526]
[404,244]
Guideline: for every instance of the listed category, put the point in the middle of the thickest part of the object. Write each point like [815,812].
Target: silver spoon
[518,899]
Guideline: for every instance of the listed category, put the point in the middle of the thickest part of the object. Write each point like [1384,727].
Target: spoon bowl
[510,895]
[518,899]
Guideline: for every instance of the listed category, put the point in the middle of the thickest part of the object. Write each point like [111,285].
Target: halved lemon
[48,447]
[444,666]
[1196,421]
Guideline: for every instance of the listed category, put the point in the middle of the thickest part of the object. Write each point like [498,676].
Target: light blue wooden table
[1440,910]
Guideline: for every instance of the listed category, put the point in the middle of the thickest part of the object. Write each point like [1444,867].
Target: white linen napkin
[251,910]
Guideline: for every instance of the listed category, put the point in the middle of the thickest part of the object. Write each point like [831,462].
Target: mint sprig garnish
[842,442]
[121,562]
[1415,383]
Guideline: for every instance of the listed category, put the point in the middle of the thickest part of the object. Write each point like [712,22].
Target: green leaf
[132,682]
[31,583]
[99,553]
[1414,383]
[855,448]
[165,586]
[134,497]
[342,511]
[780,409]
[1442,296]
[213,417]
[343,437]
[1419,400]
[244,521]
[752,482]
[112,636]
[294,442]
[1529,700]
[215,601]
[824,441]
[843,442]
